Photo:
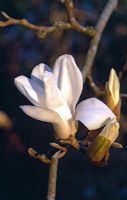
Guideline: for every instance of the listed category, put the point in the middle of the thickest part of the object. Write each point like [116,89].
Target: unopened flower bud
[98,150]
[113,93]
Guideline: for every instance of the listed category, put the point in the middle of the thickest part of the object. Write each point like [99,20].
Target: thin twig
[106,13]
[41,157]
[53,177]
[96,90]
[90,31]
[44,30]
[124,96]
[53,162]
[123,70]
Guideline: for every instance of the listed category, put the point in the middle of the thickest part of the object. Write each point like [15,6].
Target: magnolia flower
[55,93]
[98,150]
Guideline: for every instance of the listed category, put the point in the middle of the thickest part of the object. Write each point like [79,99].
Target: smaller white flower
[55,95]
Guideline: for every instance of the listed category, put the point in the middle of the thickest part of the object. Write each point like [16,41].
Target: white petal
[38,72]
[62,128]
[69,79]
[40,113]
[54,98]
[30,90]
[93,113]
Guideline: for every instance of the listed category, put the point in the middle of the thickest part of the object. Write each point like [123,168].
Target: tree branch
[96,90]
[53,177]
[124,96]
[53,167]
[123,70]
[106,13]
[90,31]
[44,30]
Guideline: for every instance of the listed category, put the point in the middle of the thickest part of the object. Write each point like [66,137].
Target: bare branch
[53,162]
[97,90]
[53,177]
[70,10]
[44,30]
[5,15]
[42,157]
[90,31]
[123,70]
[123,96]
[23,22]
[106,13]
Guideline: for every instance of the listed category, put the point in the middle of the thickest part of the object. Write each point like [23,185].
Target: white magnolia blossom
[55,93]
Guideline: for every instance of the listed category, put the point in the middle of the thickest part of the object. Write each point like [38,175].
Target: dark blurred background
[25,178]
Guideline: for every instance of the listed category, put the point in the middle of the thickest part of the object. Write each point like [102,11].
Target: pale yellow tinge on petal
[111,130]
[62,131]
[98,149]
[112,90]
[65,129]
